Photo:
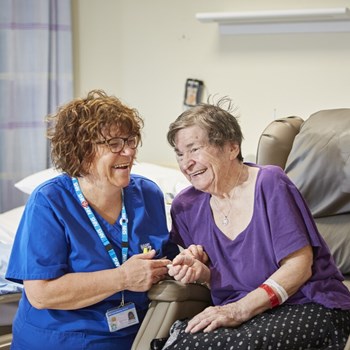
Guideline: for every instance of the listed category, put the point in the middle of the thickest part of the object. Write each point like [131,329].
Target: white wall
[143,52]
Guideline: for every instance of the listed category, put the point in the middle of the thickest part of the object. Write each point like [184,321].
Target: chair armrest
[5,341]
[170,300]
[171,290]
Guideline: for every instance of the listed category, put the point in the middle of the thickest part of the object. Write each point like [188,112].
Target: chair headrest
[319,162]
[276,141]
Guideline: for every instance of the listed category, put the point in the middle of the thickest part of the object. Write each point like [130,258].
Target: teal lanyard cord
[123,221]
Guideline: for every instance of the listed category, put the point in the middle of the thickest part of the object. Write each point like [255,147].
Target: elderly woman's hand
[187,269]
[213,317]
[196,251]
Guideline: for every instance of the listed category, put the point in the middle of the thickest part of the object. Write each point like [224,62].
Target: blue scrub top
[56,237]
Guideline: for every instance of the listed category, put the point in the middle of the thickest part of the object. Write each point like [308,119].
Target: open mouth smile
[121,166]
[196,173]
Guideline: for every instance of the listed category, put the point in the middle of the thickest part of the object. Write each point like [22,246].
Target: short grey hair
[219,123]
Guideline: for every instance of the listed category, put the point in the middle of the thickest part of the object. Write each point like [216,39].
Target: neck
[231,182]
[106,200]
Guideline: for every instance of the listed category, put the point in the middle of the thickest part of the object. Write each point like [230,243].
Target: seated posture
[251,238]
[93,240]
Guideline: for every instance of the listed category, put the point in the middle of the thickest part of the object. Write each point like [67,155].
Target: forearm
[291,280]
[295,270]
[74,290]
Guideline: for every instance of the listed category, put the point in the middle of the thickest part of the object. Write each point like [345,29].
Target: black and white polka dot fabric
[288,327]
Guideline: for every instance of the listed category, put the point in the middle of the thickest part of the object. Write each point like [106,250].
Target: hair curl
[76,127]
[219,123]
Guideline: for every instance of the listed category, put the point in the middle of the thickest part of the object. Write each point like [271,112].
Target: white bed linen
[8,226]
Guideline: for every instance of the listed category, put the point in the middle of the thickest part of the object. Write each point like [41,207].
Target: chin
[199,186]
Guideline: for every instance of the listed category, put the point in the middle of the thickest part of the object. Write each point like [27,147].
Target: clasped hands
[190,266]
[142,270]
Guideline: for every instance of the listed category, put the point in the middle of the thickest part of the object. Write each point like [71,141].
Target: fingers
[197,251]
[149,255]
[142,271]
[210,319]
[182,273]
[154,263]
[183,259]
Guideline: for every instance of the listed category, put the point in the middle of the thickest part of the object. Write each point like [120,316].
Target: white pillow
[29,183]
[170,180]
[9,221]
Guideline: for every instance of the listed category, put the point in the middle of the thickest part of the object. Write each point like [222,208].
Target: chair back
[315,154]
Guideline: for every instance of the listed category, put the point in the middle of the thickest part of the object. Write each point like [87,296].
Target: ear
[234,150]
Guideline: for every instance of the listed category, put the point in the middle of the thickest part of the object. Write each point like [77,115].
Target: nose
[186,162]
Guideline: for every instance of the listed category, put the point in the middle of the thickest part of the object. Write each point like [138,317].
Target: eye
[132,141]
[194,149]
[115,142]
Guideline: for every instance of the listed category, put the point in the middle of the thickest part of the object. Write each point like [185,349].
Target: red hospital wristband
[272,295]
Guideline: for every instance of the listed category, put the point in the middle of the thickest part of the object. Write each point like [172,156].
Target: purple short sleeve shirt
[281,224]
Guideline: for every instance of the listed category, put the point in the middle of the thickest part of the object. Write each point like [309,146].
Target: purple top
[281,224]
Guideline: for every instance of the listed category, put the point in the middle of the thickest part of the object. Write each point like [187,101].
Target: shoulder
[53,188]
[272,175]
[273,183]
[189,197]
[143,186]
[142,182]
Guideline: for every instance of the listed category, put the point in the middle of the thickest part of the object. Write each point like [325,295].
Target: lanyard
[123,221]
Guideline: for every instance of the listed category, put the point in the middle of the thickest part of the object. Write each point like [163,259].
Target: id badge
[121,317]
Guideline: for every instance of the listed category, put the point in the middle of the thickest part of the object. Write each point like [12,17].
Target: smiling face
[206,166]
[112,169]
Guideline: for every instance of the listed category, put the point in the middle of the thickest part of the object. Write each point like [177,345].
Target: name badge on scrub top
[121,317]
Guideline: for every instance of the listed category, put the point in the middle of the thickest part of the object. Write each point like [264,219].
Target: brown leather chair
[315,154]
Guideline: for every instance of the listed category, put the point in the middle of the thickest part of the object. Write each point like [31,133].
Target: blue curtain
[35,78]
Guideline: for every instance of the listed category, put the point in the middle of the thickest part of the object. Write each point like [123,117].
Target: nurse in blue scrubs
[93,240]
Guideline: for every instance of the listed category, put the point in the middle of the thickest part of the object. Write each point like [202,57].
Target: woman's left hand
[214,317]
[186,269]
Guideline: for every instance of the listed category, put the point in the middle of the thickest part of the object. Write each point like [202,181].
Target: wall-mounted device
[193,92]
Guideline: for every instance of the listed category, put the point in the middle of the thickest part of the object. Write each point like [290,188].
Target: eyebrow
[187,147]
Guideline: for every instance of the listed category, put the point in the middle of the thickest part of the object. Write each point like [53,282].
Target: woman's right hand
[141,271]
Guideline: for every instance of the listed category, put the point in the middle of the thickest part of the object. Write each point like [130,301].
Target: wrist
[238,312]
[121,278]
[203,277]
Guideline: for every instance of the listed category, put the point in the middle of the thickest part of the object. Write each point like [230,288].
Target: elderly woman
[91,241]
[251,238]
